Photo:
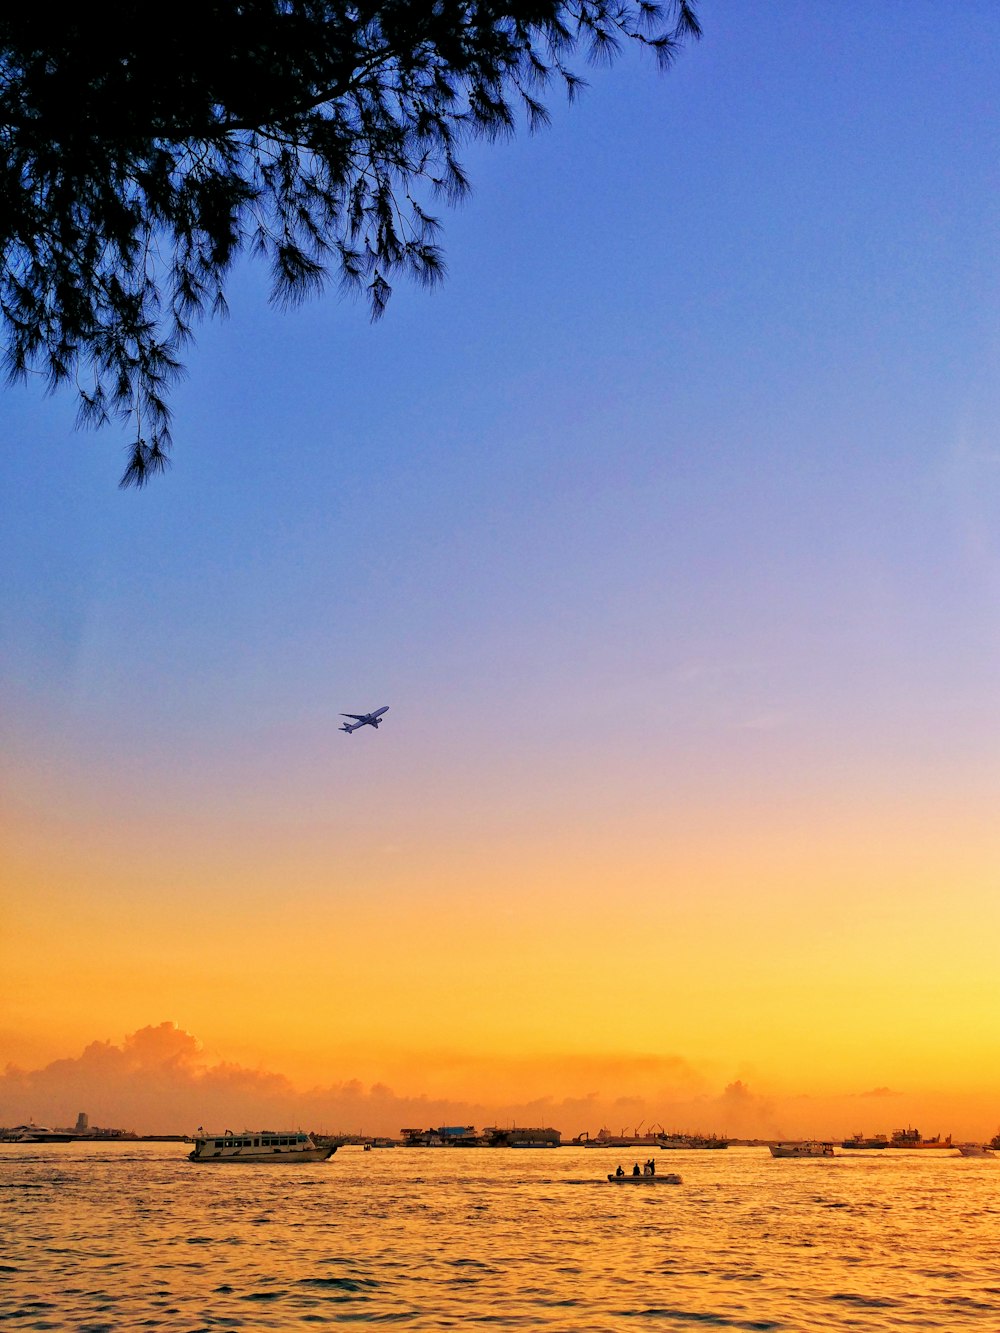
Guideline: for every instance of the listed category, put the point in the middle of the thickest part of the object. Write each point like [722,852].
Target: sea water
[132,1236]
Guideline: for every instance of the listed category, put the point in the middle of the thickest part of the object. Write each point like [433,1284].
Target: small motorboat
[975,1150]
[654,1178]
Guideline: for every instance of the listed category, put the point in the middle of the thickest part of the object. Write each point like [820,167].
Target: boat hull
[801,1149]
[44,1138]
[264,1159]
[668,1178]
[691,1144]
[946,1145]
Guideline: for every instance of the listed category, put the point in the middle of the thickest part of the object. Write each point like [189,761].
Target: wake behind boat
[266,1146]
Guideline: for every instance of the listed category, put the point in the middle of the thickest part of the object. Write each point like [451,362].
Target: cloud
[159,1080]
[156,1081]
[745,1114]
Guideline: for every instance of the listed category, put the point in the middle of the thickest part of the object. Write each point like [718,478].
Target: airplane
[364,719]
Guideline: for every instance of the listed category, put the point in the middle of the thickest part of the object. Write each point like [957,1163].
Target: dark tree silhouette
[143,147]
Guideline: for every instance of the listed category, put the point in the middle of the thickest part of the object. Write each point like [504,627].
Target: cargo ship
[605,1139]
[695,1141]
[912,1138]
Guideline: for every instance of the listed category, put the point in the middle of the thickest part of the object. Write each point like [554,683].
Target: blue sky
[717,351]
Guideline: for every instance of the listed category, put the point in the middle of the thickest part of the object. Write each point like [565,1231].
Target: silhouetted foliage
[141,149]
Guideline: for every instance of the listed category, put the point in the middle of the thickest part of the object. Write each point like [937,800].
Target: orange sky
[811,954]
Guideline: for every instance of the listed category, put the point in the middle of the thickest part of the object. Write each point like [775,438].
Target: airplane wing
[358,717]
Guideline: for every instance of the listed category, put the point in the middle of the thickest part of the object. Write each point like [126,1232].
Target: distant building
[421,1138]
[524,1138]
[82,1122]
[444,1136]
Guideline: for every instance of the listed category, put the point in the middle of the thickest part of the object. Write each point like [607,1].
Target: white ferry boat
[273,1147]
[808,1149]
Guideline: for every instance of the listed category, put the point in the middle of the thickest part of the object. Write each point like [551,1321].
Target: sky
[669,530]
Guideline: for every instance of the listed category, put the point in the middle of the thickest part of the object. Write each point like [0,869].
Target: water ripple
[102,1238]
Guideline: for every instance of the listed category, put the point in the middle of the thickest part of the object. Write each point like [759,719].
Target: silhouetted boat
[605,1139]
[699,1142]
[668,1178]
[912,1138]
[260,1146]
[38,1134]
[859,1141]
[810,1148]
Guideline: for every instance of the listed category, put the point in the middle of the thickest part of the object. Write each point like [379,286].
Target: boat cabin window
[218,1143]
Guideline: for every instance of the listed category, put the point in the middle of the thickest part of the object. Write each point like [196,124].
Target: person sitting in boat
[636,1171]
[647,1168]
[620,1171]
